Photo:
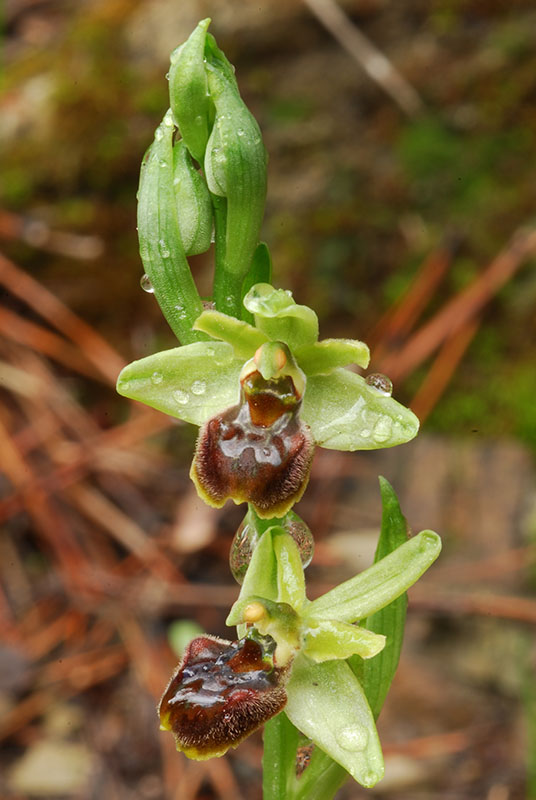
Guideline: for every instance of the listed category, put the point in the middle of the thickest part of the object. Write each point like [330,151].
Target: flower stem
[227,286]
[279,758]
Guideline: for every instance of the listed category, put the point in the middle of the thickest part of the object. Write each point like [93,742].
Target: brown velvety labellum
[267,467]
[221,692]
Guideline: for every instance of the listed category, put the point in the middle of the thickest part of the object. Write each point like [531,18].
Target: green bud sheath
[161,246]
[188,92]
[194,209]
[235,168]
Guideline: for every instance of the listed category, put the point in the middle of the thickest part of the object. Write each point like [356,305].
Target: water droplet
[240,132]
[159,133]
[198,387]
[163,162]
[164,251]
[352,738]
[382,429]
[145,283]
[157,378]
[210,351]
[266,451]
[181,311]
[381,383]
[365,433]
[198,120]
[167,76]
[180,396]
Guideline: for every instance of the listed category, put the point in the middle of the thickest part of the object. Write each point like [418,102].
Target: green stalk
[227,286]
[279,758]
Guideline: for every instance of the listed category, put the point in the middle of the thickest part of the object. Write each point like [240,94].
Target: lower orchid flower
[295,654]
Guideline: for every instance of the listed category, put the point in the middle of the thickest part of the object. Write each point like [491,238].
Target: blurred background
[401,206]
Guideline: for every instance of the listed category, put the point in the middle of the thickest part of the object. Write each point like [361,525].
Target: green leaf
[345,413]
[192,383]
[327,704]
[323,357]
[280,317]
[377,675]
[161,247]
[331,639]
[194,208]
[380,584]
[244,338]
[279,758]
[188,92]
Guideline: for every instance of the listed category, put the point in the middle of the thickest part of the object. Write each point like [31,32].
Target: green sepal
[244,338]
[192,383]
[323,357]
[378,585]
[260,579]
[327,704]
[345,413]
[260,271]
[194,207]
[282,319]
[161,246]
[330,639]
[290,577]
[376,677]
[188,92]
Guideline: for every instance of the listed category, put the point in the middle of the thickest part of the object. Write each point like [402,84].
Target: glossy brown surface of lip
[221,692]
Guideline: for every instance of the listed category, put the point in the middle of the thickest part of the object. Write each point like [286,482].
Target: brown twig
[462,308]
[367,55]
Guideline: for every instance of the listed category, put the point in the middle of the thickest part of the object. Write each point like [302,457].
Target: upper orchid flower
[337,408]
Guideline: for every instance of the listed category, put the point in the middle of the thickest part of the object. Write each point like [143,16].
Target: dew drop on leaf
[146,285]
[157,378]
[381,383]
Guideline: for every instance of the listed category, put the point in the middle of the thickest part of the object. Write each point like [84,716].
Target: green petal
[280,317]
[380,584]
[345,413]
[323,357]
[327,704]
[193,382]
[331,639]
[244,338]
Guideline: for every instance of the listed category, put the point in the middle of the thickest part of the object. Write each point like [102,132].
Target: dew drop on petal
[157,378]
[198,387]
[180,397]
[146,285]
[381,383]
[352,738]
